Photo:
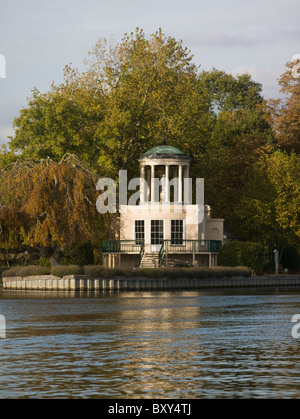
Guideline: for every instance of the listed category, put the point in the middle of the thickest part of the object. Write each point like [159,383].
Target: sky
[38,38]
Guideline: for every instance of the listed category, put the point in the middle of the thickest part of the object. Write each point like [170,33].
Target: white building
[164,228]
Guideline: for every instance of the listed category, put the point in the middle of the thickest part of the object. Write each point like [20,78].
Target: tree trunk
[53,253]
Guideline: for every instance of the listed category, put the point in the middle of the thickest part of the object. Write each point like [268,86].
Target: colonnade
[148,172]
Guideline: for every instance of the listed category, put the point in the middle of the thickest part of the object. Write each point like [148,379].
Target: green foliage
[79,255]
[130,97]
[44,262]
[229,93]
[63,270]
[238,253]
[269,206]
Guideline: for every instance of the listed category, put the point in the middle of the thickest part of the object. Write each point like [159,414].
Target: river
[179,345]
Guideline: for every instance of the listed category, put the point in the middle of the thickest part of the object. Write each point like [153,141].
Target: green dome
[164,151]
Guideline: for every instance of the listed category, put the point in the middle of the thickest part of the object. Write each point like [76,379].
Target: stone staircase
[149,260]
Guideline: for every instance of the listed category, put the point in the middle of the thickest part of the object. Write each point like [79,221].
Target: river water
[179,345]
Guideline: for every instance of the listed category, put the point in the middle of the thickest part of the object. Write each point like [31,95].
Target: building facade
[166,228]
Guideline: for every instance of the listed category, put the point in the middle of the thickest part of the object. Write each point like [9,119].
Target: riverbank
[86,283]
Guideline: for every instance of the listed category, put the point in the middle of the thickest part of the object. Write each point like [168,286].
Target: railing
[161,254]
[168,246]
[192,246]
[122,246]
[140,256]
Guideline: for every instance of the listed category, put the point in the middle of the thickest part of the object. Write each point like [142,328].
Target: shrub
[31,270]
[108,273]
[93,270]
[44,262]
[11,272]
[81,255]
[237,253]
[243,271]
[62,270]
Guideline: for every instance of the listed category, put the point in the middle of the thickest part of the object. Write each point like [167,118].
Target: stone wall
[85,283]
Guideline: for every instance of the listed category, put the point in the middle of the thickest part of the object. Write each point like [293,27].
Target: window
[176,232]
[139,231]
[157,231]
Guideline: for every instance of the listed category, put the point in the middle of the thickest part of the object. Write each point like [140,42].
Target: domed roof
[164,152]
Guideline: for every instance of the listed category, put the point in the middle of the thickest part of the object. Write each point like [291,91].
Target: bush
[248,254]
[44,262]
[11,272]
[63,270]
[173,273]
[93,270]
[81,255]
[31,270]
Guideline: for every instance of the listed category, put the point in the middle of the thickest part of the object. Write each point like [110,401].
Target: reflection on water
[149,345]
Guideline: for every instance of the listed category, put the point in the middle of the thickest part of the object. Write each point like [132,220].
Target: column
[187,192]
[167,187]
[187,171]
[142,189]
[148,173]
[180,183]
[152,183]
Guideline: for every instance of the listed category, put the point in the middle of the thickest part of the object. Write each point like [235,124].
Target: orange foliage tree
[50,206]
[285,113]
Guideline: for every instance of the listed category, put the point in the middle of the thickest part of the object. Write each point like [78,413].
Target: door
[157,235]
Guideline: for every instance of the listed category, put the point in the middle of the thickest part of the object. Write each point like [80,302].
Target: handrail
[161,253]
[126,246]
[140,257]
[168,246]
[193,246]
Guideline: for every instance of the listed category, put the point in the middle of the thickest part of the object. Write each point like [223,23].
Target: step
[150,260]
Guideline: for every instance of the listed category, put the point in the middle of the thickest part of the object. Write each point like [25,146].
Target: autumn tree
[285,112]
[50,206]
[133,95]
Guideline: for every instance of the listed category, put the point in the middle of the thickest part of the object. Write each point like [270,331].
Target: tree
[269,205]
[237,253]
[229,93]
[132,96]
[285,113]
[49,206]
[60,121]
[240,134]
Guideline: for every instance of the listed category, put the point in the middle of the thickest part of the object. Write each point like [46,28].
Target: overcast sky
[38,38]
